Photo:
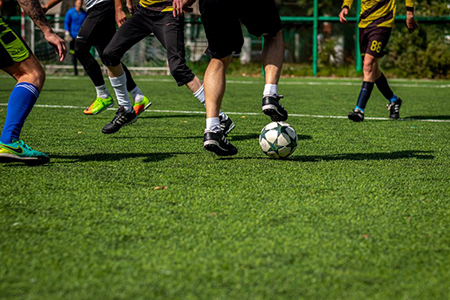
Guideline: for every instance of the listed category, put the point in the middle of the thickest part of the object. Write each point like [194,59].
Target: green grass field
[360,210]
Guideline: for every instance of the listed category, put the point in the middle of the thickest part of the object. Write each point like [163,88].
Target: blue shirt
[73,21]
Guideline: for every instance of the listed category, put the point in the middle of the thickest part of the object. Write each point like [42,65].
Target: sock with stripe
[21,101]
[200,95]
[385,89]
[364,95]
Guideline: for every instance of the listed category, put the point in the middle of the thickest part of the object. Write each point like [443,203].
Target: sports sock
[21,101]
[120,88]
[136,94]
[213,124]
[384,88]
[200,95]
[270,89]
[102,91]
[364,95]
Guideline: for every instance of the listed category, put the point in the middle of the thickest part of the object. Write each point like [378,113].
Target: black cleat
[122,118]
[217,142]
[272,107]
[226,125]
[356,115]
[394,108]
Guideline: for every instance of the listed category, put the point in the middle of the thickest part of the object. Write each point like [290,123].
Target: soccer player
[222,21]
[158,17]
[17,60]
[375,25]
[97,30]
[73,20]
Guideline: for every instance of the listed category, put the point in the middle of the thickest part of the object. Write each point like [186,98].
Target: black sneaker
[356,115]
[217,142]
[272,107]
[122,118]
[226,125]
[394,108]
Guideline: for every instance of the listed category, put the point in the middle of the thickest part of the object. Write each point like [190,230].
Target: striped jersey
[157,5]
[380,13]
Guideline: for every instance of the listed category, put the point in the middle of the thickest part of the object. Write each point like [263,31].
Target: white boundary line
[192,112]
[319,81]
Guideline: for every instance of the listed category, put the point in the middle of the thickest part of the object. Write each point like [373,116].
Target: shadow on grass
[99,157]
[151,116]
[441,117]
[255,136]
[353,156]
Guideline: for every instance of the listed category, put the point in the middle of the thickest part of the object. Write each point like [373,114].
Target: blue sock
[361,109]
[364,95]
[394,98]
[22,99]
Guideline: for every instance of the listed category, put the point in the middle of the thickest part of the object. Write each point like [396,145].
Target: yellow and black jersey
[380,13]
[157,5]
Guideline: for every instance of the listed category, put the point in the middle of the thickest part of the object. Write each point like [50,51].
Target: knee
[36,75]
[369,66]
[109,58]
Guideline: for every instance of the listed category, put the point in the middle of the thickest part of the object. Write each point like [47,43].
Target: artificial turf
[359,211]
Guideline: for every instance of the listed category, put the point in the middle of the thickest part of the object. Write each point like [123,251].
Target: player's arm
[121,17]
[410,22]
[34,10]
[345,9]
[50,4]
[181,6]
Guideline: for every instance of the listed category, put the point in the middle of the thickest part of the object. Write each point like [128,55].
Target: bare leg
[194,85]
[29,70]
[215,85]
[371,69]
[272,57]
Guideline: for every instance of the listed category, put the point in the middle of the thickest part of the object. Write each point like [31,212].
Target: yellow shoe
[139,107]
[99,105]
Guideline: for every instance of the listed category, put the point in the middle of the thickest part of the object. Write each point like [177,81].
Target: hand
[342,15]
[67,37]
[181,6]
[121,18]
[130,6]
[58,44]
[410,22]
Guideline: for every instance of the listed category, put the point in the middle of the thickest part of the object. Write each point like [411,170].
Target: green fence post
[358,59]
[315,31]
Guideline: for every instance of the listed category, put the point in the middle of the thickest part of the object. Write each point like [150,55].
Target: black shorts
[222,21]
[373,40]
[169,30]
[12,48]
[99,26]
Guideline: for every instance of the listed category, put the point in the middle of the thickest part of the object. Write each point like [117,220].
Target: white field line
[319,81]
[192,112]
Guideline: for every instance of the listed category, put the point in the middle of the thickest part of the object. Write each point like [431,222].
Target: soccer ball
[278,140]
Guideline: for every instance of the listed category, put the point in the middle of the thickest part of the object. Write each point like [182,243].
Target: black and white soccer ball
[278,140]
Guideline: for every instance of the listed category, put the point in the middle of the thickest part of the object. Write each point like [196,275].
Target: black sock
[130,82]
[364,95]
[384,88]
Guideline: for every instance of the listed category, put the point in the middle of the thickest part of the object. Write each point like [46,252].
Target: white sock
[137,95]
[102,91]
[270,89]
[120,88]
[200,95]
[213,124]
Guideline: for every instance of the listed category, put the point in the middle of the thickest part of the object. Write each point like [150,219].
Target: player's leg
[134,30]
[381,82]
[170,32]
[18,61]
[262,19]
[223,31]
[74,57]
[87,36]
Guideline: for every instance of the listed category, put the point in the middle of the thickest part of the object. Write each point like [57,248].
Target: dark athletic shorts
[12,48]
[99,26]
[222,21]
[373,40]
[169,31]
